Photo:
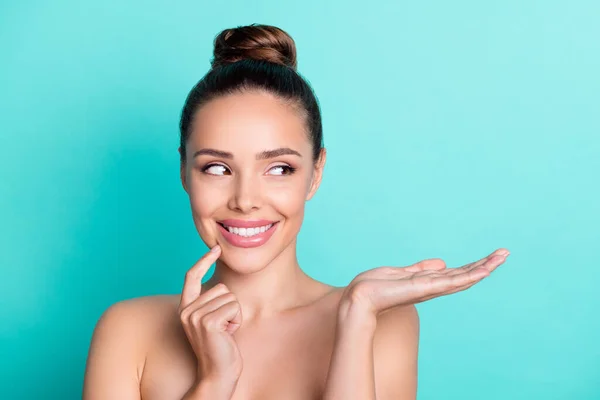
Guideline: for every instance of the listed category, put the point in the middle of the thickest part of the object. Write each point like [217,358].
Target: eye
[215,169]
[282,170]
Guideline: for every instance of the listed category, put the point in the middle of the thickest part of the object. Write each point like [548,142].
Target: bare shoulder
[120,342]
[400,320]
[144,308]
[138,319]
[395,350]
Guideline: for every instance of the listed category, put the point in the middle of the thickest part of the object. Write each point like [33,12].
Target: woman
[260,328]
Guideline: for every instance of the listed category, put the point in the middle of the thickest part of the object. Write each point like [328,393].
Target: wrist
[355,316]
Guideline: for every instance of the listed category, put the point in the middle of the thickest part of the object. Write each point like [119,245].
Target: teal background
[453,128]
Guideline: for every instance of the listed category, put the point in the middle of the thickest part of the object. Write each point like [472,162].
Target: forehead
[248,122]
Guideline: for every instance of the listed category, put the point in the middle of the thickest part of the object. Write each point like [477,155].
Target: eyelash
[290,170]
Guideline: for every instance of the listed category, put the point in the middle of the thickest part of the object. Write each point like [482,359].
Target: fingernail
[215,249]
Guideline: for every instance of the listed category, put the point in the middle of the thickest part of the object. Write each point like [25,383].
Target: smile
[247,234]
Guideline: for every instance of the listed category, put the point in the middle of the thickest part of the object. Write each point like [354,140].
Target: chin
[245,261]
[252,254]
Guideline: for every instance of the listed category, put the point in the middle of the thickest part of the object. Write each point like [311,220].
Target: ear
[317,174]
[182,174]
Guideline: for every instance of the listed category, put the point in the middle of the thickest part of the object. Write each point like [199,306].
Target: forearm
[351,370]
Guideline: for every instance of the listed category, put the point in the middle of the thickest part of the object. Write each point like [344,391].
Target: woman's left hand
[381,288]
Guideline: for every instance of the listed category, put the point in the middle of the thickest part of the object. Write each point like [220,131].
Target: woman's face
[248,173]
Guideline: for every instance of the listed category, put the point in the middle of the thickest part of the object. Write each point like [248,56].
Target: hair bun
[258,42]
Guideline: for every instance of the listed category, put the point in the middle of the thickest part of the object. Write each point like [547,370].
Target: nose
[246,196]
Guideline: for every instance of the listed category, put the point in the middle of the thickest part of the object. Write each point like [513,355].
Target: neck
[279,286]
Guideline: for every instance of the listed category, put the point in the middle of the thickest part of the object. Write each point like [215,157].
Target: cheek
[289,200]
[205,200]
[202,205]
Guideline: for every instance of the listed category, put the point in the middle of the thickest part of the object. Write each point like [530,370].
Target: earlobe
[182,177]
[310,189]
[315,181]
[182,171]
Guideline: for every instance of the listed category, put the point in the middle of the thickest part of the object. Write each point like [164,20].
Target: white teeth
[248,232]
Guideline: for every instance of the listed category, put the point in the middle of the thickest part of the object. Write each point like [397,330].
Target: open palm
[380,288]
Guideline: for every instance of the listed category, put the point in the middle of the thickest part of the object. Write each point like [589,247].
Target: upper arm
[114,355]
[395,349]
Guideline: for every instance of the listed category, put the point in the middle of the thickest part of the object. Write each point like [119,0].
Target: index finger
[467,267]
[192,286]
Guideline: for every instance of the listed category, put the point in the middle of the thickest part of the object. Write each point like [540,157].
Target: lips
[247,234]
[239,223]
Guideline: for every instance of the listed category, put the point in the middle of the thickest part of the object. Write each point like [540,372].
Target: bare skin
[278,362]
[285,356]
[274,332]
[140,350]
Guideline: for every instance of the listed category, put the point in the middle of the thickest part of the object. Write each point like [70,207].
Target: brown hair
[259,42]
[259,57]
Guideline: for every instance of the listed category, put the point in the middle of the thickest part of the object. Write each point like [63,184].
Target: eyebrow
[264,155]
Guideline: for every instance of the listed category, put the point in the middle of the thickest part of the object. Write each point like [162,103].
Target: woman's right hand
[209,320]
